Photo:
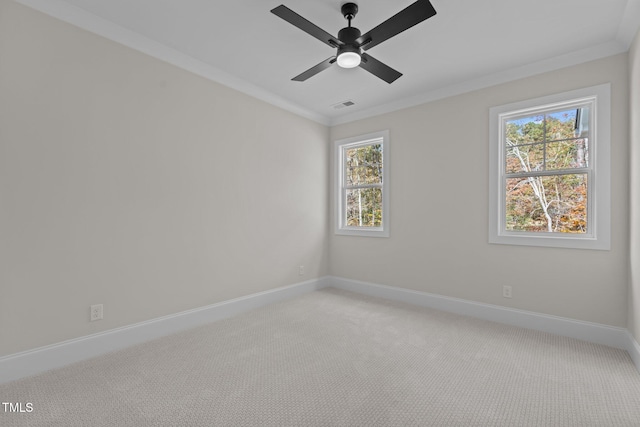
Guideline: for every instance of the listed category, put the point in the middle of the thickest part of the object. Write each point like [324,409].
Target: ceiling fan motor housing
[348,36]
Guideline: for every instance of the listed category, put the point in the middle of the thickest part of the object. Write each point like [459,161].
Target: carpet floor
[333,358]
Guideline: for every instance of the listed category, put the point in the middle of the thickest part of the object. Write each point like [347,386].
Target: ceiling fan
[350,43]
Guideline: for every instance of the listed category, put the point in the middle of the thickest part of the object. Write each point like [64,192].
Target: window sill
[369,232]
[551,240]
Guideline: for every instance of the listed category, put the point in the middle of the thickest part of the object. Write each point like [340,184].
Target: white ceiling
[467,45]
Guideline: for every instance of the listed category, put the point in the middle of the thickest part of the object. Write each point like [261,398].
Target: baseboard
[633,348]
[53,356]
[587,331]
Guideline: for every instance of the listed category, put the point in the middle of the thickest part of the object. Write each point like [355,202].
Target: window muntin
[547,170]
[550,171]
[362,202]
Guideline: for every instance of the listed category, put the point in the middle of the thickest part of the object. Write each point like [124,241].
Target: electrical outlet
[301,270]
[506,291]
[96,312]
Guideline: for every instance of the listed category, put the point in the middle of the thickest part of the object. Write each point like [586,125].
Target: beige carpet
[332,358]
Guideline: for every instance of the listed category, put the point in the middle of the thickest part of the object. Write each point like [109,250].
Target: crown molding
[87,21]
[574,58]
[81,18]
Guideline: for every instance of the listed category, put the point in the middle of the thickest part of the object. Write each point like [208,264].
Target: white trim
[87,21]
[31,362]
[90,22]
[633,348]
[587,331]
[551,64]
[370,138]
[599,236]
[57,355]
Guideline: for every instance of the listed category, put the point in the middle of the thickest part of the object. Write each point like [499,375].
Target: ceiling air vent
[343,104]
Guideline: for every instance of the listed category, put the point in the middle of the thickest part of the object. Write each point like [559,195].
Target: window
[550,171]
[362,168]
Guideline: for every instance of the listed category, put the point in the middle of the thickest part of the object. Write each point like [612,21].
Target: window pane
[567,154]
[364,175]
[561,124]
[525,158]
[363,165]
[525,130]
[364,207]
[556,204]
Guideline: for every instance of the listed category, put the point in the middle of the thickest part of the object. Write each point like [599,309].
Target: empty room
[319,213]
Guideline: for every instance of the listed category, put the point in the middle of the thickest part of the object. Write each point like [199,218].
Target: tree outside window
[363,171]
[547,168]
[362,166]
[550,170]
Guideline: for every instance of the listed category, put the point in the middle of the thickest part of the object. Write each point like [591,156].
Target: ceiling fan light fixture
[351,44]
[349,59]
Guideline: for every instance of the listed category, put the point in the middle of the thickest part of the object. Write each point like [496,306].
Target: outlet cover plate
[96,312]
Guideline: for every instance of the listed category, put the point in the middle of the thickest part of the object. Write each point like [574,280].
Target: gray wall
[129,182]
[634,114]
[439,208]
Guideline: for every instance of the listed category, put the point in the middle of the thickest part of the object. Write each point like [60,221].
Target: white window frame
[340,146]
[598,235]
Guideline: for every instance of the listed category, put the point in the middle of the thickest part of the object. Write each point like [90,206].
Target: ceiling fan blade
[315,69]
[379,69]
[308,27]
[403,20]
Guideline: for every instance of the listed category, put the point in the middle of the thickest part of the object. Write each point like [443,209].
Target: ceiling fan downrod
[349,11]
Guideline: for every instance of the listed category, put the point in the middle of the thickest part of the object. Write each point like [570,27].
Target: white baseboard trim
[31,362]
[587,331]
[53,356]
[633,348]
